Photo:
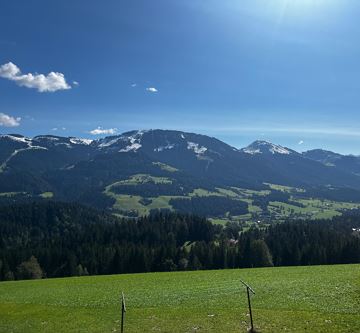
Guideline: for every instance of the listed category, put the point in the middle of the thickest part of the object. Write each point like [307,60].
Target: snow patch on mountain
[79,141]
[279,150]
[196,148]
[107,143]
[16,138]
[133,147]
[36,147]
[260,147]
[45,137]
[251,151]
[167,147]
[134,140]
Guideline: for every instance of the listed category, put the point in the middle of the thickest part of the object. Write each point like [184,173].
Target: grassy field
[296,299]
[165,167]
[10,194]
[47,195]
[312,208]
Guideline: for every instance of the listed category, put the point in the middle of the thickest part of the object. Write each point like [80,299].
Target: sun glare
[302,9]
[307,5]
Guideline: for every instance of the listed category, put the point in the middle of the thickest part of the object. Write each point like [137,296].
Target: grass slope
[312,208]
[295,299]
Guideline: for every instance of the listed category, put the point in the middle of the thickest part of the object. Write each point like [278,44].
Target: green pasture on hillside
[289,299]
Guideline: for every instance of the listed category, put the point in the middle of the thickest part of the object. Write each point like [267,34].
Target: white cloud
[134,85]
[75,83]
[99,131]
[300,142]
[8,121]
[152,89]
[43,83]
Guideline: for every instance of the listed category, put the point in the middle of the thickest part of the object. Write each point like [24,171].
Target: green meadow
[288,299]
[311,208]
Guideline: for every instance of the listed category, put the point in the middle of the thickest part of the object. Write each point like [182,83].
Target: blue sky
[286,71]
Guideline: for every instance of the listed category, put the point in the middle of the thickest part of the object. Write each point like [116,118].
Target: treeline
[54,240]
[334,193]
[150,189]
[68,239]
[263,201]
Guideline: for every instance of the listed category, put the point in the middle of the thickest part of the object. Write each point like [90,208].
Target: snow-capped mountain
[41,153]
[43,141]
[264,147]
[157,141]
[72,167]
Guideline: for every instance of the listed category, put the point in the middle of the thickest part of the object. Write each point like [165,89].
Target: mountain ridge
[87,141]
[103,172]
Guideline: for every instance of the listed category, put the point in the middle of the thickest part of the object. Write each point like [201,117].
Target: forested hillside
[54,239]
[135,172]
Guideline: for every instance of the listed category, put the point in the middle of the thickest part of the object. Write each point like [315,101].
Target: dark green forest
[209,206]
[49,239]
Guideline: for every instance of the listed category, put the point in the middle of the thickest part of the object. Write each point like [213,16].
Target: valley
[296,207]
[139,172]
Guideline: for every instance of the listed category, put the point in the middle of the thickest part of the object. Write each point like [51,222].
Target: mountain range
[169,165]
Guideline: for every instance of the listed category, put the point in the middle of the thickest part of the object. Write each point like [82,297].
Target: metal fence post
[248,290]
[123,310]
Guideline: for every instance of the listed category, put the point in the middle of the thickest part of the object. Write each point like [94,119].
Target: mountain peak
[15,137]
[128,141]
[265,147]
